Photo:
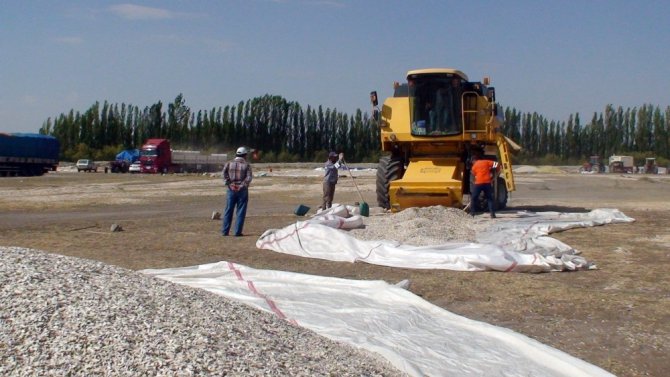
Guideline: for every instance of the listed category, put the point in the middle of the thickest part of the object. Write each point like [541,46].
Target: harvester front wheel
[501,199]
[389,169]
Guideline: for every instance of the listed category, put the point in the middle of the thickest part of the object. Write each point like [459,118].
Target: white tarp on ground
[414,335]
[518,243]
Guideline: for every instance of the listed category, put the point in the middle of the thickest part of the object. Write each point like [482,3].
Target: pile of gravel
[421,226]
[69,316]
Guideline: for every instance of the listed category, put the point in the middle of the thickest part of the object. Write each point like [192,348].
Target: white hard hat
[241,151]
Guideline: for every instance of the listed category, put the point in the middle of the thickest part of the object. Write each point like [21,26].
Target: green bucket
[365,210]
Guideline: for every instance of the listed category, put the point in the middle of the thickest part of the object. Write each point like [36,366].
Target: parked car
[86,165]
[134,168]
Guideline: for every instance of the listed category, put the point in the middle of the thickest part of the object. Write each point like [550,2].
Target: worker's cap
[332,154]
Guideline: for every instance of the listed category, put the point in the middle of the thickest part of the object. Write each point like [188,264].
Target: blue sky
[550,57]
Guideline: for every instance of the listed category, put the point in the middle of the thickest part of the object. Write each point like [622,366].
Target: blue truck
[27,154]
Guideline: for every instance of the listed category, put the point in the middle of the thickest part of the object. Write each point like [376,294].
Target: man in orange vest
[483,172]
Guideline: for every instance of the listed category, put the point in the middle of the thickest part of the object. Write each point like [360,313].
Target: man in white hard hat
[237,177]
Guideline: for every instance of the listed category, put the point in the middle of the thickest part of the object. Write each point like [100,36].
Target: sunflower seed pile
[420,226]
[64,316]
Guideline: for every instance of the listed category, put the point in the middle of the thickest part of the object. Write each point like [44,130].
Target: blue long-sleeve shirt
[331,173]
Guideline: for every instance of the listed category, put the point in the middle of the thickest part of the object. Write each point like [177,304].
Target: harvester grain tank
[28,154]
[430,129]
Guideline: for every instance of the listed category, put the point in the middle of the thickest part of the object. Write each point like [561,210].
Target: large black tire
[479,204]
[389,169]
[499,202]
[501,198]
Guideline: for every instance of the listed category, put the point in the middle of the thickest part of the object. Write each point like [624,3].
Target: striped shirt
[238,172]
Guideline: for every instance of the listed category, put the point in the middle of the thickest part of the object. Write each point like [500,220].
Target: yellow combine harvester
[431,127]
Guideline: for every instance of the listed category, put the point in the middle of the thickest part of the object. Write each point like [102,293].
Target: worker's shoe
[493,215]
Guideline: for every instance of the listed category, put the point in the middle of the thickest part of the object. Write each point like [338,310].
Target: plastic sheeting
[416,336]
[130,155]
[517,243]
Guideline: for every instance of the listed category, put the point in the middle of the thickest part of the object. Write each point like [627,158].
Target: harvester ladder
[503,148]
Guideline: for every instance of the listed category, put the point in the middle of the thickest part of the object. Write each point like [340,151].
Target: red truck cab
[156,156]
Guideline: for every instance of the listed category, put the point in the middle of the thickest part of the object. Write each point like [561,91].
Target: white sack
[338,222]
[416,336]
[336,209]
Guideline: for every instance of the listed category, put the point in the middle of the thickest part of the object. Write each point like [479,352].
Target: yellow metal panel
[431,170]
[426,182]
[395,114]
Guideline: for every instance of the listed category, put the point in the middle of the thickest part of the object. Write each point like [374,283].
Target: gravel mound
[525,169]
[420,226]
[68,316]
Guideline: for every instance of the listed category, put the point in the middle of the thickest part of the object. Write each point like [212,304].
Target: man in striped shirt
[237,177]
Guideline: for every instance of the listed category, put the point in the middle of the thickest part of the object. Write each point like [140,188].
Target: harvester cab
[430,129]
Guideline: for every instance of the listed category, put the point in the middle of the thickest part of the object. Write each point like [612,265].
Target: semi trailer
[28,154]
[157,156]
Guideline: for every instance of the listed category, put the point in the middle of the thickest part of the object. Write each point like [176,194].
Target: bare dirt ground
[617,317]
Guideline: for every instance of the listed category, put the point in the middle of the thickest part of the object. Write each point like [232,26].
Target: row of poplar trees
[284,131]
[279,129]
[640,132]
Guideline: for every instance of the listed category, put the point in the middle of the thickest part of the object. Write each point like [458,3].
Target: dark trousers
[476,191]
[239,200]
[328,194]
